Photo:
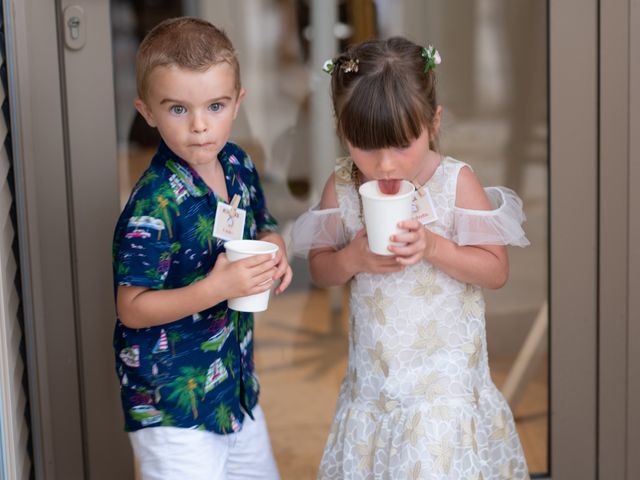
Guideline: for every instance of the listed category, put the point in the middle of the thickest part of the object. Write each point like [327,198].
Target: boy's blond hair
[185,42]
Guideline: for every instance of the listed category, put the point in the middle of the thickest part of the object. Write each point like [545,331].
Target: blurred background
[492,84]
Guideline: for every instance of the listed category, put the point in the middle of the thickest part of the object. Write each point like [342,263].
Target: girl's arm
[141,307]
[330,267]
[483,265]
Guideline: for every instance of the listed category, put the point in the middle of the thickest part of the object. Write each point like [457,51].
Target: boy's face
[192,110]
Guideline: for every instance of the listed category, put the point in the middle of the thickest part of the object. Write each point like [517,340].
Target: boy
[185,361]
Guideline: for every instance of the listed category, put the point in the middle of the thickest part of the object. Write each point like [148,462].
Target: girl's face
[413,162]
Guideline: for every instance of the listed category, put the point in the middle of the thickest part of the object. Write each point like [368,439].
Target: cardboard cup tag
[423,209]
[229,221]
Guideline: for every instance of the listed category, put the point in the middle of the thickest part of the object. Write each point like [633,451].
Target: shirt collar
[186,175]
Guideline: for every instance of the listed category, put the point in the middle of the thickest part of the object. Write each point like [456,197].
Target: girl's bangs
[372,120]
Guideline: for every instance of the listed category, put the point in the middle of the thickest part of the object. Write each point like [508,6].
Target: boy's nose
[198,125]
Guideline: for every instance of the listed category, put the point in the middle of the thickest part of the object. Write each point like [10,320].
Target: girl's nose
[386,163]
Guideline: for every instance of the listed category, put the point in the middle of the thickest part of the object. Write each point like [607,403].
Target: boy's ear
[144,111]
[241,94]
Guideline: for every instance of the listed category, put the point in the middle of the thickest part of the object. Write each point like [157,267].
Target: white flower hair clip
[347,66]
[329,66]
[431,58]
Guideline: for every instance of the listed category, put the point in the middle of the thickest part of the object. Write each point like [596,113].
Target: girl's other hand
[419,243]
[367,261]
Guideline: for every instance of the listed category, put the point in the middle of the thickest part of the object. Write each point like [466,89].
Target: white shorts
[170,453]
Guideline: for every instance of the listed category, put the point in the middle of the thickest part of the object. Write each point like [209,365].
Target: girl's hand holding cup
[367,261]
[419,243]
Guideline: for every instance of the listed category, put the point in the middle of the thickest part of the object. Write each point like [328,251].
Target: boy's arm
[283,269]
[141,307]
[330,267]
[483,265]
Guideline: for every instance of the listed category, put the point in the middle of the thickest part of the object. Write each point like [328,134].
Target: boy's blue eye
[177,109]
[215,107]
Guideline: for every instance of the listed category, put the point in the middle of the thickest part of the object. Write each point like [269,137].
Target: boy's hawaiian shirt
[197,372]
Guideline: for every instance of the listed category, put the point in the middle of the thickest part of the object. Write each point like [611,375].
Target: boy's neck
[213,175]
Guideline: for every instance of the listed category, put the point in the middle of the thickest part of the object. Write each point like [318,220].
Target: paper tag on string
[423,209]
[229,221]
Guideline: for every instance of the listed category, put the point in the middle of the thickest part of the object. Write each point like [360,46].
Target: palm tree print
[165,201]
[175,248]
[167,419]
[223,417]
[204,231]
[143,206]
[147,178]
[228,362]
[173,337]
[187,388]
[122,269]
[153,274]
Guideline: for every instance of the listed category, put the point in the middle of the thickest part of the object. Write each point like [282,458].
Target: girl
[417,400]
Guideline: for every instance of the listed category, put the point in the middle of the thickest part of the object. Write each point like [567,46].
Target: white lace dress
[417,401]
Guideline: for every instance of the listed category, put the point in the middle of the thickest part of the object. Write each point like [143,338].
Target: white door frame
[68,200]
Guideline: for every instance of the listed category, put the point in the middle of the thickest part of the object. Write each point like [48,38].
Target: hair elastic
[347,66]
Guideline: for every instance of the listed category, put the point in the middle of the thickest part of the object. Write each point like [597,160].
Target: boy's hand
[243,277]
[367,261]
[420,243]
[283,269]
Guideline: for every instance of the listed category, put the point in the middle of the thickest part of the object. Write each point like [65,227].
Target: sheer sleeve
[317,229]
[500,226]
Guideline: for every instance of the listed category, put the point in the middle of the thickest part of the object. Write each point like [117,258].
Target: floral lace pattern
[417,401]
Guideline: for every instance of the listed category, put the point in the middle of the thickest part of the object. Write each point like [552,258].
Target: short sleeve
[144,238]
[317,229]
[500,226]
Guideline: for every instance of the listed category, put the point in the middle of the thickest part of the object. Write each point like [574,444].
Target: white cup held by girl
[383,211]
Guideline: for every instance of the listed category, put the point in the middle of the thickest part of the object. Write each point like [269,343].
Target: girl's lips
[389,187]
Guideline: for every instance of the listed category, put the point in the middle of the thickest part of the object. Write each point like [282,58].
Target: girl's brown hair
[185,42]
[389,100]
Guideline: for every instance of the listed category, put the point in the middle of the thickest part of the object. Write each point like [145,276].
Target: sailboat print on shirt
[162,345]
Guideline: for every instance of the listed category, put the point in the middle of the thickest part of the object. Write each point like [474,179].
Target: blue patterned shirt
[198,371]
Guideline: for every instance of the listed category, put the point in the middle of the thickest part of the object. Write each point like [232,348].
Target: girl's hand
[283,269]
[243,277]
[367,261]
[420,243]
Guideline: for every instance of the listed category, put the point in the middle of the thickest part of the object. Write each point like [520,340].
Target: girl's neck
[430,165]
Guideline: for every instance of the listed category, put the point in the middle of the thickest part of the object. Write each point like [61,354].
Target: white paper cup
[382,213]
[237,250]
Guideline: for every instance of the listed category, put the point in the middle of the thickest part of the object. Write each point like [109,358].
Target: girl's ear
[144,111]
[437,116]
